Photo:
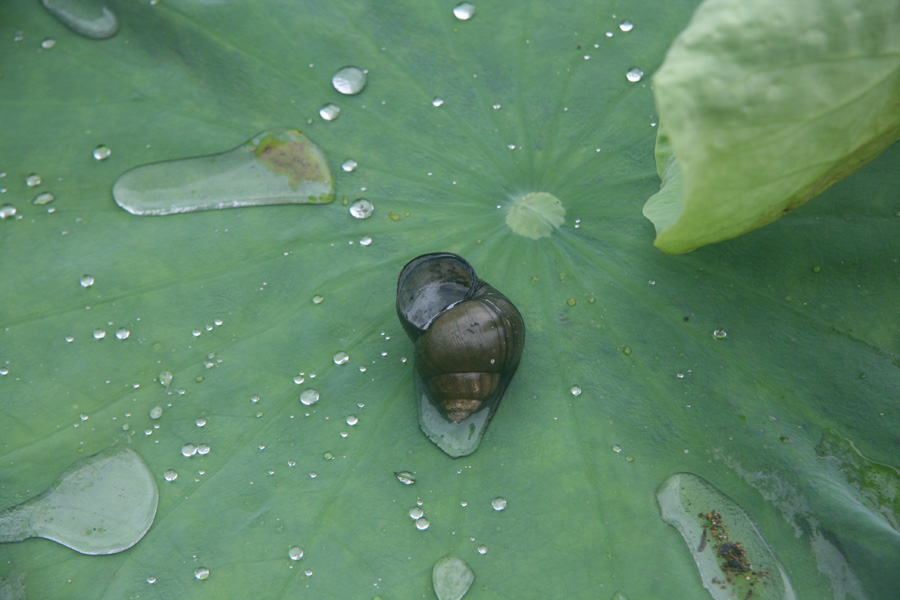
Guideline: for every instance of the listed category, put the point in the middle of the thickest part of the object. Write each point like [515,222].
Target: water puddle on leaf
[102,504]
[878,483]
[279,166]
[452,578]
[535,215]
[734,560]
[90,18]
[456,439]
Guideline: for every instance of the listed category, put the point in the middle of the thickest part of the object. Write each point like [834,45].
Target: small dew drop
[498,503]
[365,240]
[349,165]
[201,422]
[7,211]
[87,281]
[464,11]
[352,420]
[405,477]
[575,390]
[341,358]
[422,524]
[203,449]
[165,378]
[309,397]
[33,180]
[43,198]
[295,552]
[188,450]
[48,43]
[102,152]
[122,333]
[99,334]
[151,580]
[437,102]
[298,379]
[720,334]
[626,26]
[156,412]
[617,448]
[634,75]
[362,209]
[349,81]
[317,299]
[482,549]
[329,112]
[201,573]
[170,475]
[416,513]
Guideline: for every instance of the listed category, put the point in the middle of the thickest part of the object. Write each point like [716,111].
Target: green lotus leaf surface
[253,359]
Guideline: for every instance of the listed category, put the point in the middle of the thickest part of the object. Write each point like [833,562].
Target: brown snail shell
[468,336]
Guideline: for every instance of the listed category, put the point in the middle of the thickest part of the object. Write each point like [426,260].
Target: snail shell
[468,336]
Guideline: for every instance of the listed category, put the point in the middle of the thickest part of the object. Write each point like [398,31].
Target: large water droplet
[535,215]
[87,281]
[309,397]
[295,552]
[626,26]
[464,11]
[498,503]
[33,180]
[349,81]
[416,513]
[7,211]
[280,166]
[362,209]
[634,75]
[341,358]
[733,558]
[422,524]
[201,573]
[90,18]
[451,578]
[102,504]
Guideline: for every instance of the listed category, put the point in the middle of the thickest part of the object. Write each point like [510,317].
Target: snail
[468,337]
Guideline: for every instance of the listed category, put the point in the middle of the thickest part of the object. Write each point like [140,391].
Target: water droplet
[102,152]
[341,358]
[151,579]
[317,299]
[437,102]
[719,334]
[634,75]
[99,334]
[102,504]
[87,281]
[498,503]
[535,215]
[89,18]
[329,112]
[575,390]
[362,209]
[189,450]
[349,165]
[122,333]
[352,420]
[298,379]
[482,549]
[170,475]
[295,552]
[308,572]
[464,11]
[279,166]
[33,180]
[165,378]
[7,211]
[365,240]
[451,578]
[203,449]
[816,269]
[201,573]
[43,198]
[156,412]
[728,549]
[48,43]
[349,81]
[309,397]
[422,524]
[70,338]
[626,26]
[405,477]
[416,513]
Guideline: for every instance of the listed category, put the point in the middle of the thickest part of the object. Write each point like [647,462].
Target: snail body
[468,336]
